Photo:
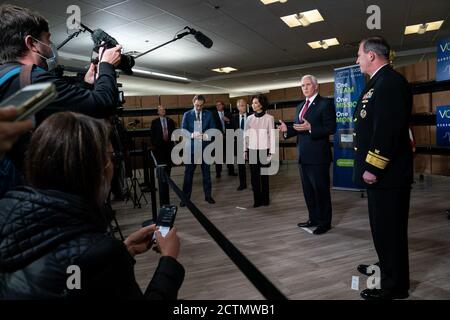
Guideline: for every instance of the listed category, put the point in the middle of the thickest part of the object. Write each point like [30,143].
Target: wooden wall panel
[288,114]
[169,101]
[294,93]
[150,101]
[326,89]
[276,95]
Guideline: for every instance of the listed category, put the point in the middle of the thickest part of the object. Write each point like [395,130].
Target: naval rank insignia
[363,113]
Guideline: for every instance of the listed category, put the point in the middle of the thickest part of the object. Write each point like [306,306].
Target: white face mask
[52,61]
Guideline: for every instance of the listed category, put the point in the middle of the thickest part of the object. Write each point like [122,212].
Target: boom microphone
[200,37]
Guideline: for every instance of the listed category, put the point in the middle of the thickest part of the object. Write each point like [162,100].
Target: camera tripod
[135,191]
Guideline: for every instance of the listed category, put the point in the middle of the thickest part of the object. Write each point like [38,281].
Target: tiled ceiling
[247,35]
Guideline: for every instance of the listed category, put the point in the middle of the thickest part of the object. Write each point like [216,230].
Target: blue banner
[349,83]
[443,126]
[443,60]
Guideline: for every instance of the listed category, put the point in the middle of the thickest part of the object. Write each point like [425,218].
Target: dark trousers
[242,175]
[189,170]
[316,190]
[260,183]
[388,215]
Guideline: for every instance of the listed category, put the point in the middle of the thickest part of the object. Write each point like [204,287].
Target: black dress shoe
[266,203]
[182,204]
[232,174]
[210,200]
[362,268]
[383,294]
[240,188]
[218,175]
[321,230]
[307,224]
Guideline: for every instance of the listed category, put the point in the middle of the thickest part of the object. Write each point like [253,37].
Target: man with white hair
[315,121]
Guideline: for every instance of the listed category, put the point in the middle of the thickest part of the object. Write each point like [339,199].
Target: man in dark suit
[161,132]
[238,122]
[384,165]
[315,121]
[197,121]
[222,120]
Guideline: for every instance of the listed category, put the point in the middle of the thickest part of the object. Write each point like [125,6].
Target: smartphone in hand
[31,99]
[166,219]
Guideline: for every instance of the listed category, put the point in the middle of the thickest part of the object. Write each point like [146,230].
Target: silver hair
[313,79]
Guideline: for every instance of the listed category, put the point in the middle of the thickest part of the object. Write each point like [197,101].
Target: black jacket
[98,100]
[157,134]
[315,148]
[228,125]
[162,149]
[381,134]
[42,233]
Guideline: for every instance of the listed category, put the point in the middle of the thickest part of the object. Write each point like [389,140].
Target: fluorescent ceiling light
[324,44]
[224,70]
[266,2]
[302,18]
[158,74]
[421,28]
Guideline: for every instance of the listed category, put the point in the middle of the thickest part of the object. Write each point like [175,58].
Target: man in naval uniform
[384,165]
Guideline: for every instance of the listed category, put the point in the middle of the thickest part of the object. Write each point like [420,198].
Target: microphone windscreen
[98,36]
[204,40]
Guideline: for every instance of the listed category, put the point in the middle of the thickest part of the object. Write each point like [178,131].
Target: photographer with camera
[27,56]
[25,41]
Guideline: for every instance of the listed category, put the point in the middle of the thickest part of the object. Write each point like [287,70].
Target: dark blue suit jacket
[314,147]
[207,123]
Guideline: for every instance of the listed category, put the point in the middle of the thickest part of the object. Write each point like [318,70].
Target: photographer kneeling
[60,221]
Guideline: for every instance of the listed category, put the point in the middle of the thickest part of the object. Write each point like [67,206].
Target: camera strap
[24,72]
[25,75]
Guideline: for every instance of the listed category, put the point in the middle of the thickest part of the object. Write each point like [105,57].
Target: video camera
[102,39]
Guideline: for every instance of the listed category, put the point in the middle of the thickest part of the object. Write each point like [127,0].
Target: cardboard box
[432,69]
[422,135]
[421,103]
[417,72]
[422,163]
[440,99]
[440,165]
[432,135]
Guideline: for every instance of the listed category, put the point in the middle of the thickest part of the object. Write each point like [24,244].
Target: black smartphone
[31,99]
[166,219]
